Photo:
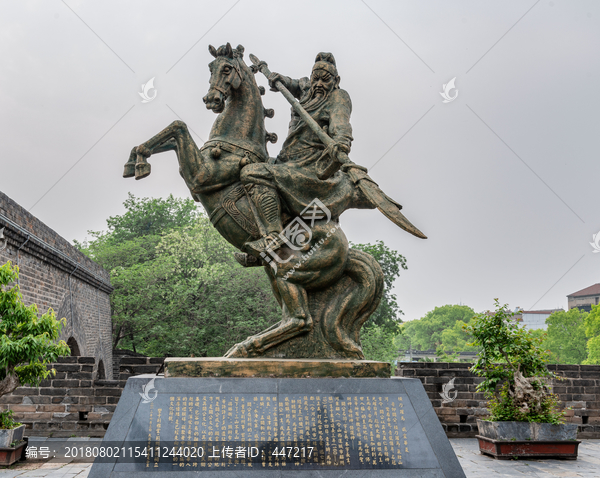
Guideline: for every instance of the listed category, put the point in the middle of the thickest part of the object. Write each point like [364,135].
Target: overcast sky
[504,179]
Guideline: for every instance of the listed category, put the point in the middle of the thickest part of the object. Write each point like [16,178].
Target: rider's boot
[268,209]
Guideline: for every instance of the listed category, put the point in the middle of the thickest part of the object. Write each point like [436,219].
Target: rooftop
[591,290]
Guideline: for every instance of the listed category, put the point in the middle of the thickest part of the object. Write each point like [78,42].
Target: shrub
[28,343]
[513,366]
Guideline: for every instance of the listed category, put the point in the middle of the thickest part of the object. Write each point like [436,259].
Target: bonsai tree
[27,342]
[512,363]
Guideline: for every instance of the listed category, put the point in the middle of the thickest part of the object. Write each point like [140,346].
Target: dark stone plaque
[235,427]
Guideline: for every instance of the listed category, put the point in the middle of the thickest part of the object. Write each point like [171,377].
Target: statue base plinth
[274,368]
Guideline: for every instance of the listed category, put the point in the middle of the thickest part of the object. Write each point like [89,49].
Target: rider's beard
[313,99]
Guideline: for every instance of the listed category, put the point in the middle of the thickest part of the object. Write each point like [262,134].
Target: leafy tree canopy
[565,337]
[440,327]
[592,331]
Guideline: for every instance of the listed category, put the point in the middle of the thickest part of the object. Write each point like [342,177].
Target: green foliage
[565,338]
[27,342]
[388,313]
[378,344]
[505,348]
[592,331]
[512,361]
[502,407]
[440,329]
[178,290]
[7,420]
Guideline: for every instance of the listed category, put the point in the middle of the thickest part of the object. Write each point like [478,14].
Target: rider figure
[297,173]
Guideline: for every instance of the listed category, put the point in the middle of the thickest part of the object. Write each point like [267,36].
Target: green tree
[565,337]
[178,290]
[454,340]
[28,343]
[437,326]
[592,331]
[378,344]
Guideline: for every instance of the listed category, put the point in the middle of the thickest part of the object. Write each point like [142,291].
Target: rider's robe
[294,172]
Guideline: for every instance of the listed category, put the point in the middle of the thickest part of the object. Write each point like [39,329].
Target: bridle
[234,64]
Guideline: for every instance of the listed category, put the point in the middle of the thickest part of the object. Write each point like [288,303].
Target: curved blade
[388,207]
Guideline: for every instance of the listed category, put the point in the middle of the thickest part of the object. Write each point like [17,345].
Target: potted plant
[525,419]
[28,343]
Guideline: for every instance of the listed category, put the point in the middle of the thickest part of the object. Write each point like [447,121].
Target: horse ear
[212,50]
[240,51]
[228,50]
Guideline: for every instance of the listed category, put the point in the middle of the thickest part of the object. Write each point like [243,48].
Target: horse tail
[353,304]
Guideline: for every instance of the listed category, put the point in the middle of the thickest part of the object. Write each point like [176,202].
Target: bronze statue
[283,213]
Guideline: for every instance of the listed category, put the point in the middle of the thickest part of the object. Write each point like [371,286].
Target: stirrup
[247,260]
[272,242]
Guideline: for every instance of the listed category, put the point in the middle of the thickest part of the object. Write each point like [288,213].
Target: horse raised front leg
[298,321]
[175,137]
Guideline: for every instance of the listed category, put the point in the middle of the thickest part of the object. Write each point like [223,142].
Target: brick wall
[55,274]
[579,389]
[73,402]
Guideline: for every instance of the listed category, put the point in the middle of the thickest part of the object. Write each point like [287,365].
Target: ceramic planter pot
[524,431]
[10,435]
[8,455]
[506,440]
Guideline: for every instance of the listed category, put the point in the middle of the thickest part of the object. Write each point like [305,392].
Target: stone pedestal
[275,368]
[277,427]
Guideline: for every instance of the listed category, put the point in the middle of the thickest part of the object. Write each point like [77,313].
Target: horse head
[225,75]
[236,97]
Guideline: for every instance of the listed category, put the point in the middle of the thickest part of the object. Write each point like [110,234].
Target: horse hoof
[129,170]
[142,170]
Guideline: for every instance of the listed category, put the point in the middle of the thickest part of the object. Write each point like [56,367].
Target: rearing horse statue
[325,289]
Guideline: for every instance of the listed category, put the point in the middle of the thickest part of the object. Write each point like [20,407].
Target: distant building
[585,298]
[534,319]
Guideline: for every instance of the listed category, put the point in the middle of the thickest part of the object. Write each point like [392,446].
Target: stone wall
[579,389]
[55,274]
[74,402]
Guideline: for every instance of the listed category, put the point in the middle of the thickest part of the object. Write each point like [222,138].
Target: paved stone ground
[467,450]
[477,465]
